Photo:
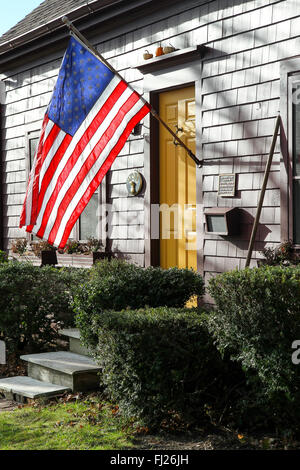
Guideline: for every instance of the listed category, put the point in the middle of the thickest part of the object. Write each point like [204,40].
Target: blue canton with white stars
[81,80]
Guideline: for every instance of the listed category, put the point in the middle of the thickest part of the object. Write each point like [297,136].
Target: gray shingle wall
[240,100]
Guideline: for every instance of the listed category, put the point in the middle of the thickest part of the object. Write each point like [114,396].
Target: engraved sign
[226,185]
[2,353]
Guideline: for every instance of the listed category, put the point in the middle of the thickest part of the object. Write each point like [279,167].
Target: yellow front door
[177,181]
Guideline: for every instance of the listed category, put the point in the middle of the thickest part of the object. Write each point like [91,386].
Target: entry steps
[54,373]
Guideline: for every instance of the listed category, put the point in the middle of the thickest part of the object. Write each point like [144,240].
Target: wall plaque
[226,186]
[134,183]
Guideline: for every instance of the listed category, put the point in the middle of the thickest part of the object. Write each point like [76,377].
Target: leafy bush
[91,246]
[156,363]
[39,246]
[19,246]
[257,318]
[117,284]
[3,257]
[282,254]
[32,301]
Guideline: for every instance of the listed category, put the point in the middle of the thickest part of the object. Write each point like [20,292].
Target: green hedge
[157,362]
[3,257]
[117,284]
[32,301]
[256,320]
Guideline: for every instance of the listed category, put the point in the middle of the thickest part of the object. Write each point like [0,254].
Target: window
[89,219]
[88,225]
[33,142]
[296,157]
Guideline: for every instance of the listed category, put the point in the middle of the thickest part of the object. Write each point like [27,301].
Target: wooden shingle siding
[239,105]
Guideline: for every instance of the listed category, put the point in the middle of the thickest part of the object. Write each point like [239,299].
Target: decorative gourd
[147,55]
[159,51]
[168,49]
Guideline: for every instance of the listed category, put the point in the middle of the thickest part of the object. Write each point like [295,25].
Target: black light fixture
[137,130]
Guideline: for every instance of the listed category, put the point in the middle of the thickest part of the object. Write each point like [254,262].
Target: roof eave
[55,24]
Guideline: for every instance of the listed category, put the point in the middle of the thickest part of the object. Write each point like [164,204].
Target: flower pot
[49,258]
[76,260]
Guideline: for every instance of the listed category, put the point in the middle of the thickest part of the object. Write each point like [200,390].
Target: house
[236,65]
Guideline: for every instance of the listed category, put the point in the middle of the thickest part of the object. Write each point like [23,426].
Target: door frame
[169,79]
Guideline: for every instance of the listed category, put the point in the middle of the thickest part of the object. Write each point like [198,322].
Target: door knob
[179,129]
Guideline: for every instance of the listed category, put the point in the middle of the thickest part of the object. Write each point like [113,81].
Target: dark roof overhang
[105,14]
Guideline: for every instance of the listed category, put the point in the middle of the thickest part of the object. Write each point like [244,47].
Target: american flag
[89,118]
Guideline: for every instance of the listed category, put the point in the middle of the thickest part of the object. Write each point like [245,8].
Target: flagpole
[154,113]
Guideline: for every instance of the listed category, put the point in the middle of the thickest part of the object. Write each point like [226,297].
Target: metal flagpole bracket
[67,22]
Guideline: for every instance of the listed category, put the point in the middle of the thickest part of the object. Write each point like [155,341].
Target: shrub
[32,301]
[3,257]
[19,246]
[283,254]
[39,246]
[117,284]
[256,320]
[156,362]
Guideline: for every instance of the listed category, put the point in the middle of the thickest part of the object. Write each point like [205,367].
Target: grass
[89,423]
[65,425]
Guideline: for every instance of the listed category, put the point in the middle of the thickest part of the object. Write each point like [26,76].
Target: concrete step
[16,388]
[75,345]
[78,372]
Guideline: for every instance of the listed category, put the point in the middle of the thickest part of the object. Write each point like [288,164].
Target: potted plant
[81,254]
[96,248]
[19,251]
[44,251]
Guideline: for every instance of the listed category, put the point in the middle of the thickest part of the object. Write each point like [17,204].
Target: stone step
[16,388]
[75,345]
[78,372]
[70,332]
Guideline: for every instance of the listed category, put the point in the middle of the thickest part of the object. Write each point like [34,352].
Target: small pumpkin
[168,49]
[159,51]
[147,55]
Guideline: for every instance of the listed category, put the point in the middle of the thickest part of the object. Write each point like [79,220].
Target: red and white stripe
[67,170]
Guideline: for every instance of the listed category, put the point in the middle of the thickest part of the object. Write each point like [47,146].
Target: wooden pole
[262,192]
[86,43]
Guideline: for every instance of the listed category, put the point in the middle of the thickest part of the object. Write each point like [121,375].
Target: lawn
[90,423]
[87,424]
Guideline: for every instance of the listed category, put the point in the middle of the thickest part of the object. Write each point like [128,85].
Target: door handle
[179,129]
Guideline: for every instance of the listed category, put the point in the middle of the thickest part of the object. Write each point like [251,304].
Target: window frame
[293,79]
[289,73]
[33,132]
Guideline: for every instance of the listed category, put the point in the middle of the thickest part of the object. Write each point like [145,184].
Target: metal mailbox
[222,220]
